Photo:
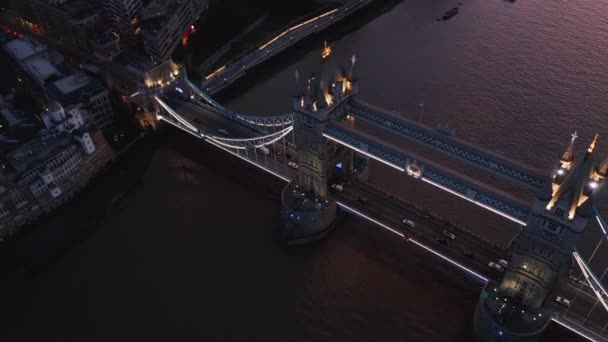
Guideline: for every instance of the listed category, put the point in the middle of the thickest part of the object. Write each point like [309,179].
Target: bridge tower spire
[513,309]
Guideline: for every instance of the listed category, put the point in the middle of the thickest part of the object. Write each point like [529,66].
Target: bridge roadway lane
[207,119]
[516,190]
[392,211]
[238,68]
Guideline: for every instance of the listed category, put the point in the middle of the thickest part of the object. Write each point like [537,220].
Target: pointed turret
[299,91]
[578,185]
[352,73]
[603,168]
[568,155]
[320,95]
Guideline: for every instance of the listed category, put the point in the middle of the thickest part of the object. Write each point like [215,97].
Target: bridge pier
[305,218]
[495,320]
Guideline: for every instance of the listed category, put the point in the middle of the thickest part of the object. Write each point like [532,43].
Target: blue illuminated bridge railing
[459,185]
[475,156]
[257,121]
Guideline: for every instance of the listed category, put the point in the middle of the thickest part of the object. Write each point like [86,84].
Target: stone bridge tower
[308,212]
[513,310]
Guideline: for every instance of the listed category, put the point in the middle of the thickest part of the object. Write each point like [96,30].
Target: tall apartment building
[163,23]
[124,17]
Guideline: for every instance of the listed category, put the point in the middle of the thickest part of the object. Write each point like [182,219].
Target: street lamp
[421,107]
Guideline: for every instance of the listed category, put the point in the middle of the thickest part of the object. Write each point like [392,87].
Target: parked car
[361,199]
[337,187]
[504,263]
[223,132]
[448,234]
[289,156]
[563,301]
[468,254]
[496,267]
[293,165]
[443,241]
[408,223]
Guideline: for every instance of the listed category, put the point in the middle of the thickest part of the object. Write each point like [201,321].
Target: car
[290,156]
[408,223]
[443,241]
[337,187]
[265,151]
[504,263]
[361,199]
[277,152]
[448,234]
[496,267]
[223,132]
[563,301]
[293,165]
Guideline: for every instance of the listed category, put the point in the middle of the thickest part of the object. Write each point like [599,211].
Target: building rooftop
[24,47]
[105,37]
[73,88]
[41,68]
[157,8]
[38,150]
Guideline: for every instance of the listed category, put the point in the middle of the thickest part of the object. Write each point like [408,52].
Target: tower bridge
[305,146]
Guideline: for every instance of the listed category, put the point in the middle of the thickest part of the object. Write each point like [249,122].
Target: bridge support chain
[305,218]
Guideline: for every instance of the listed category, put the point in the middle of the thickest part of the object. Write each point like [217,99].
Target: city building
[69,22]
[45,163]
[17,204]
[123,15]
[164,22]
[41,174]
[56,118]
[45,67]
[78,88]
[106,46]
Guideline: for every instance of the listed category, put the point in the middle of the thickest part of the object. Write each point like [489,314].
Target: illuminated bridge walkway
[265,141]
[225,75]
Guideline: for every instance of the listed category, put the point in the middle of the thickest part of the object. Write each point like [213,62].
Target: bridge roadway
[206,118]
[432,142]
[398,156]
[229,73]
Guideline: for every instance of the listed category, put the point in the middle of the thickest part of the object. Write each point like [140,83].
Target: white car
[223,132]
[496,267]
[563,301]
[293,165]
[504,263]
[337,187]
[448,234]
[408,223]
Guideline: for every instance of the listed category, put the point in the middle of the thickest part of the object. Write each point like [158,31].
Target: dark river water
[192,253]
[516,77]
